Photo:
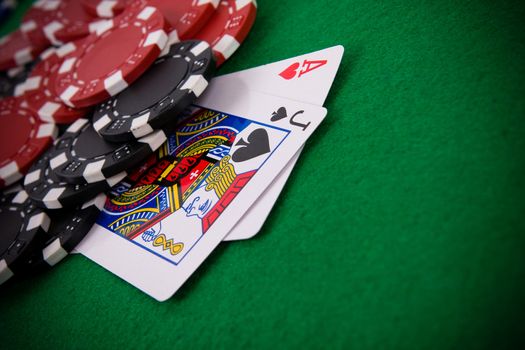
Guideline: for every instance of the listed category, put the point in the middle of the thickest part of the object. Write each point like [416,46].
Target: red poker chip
[186,17]
[229,27]
[57,21]
[23,138]
[16,50]
[36,17]
[39,88]
[104,8]
[72,22]
[112,57]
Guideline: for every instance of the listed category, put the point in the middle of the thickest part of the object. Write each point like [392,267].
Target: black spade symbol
[280,114]
[256,144]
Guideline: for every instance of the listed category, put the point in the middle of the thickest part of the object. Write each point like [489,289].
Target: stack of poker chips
[89,90]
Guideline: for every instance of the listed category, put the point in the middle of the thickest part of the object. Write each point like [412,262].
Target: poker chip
[68,227]
[48,191]
[39,88]
[185,17]
[24,226]
[59,21]
[112,58]
[36,18]
[23,139]
[229,27]
[83,156]
[71,22]
[104,8]
[16,50]
[155,100]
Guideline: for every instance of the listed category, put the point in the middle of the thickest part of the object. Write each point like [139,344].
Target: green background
[402,225]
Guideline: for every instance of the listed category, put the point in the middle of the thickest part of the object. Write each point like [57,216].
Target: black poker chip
[83,156]
[24,228]
[68,227]
[155,100]
[48,191]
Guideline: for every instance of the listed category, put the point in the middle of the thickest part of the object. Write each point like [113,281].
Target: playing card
[311,82]
[212,169]
[306,78]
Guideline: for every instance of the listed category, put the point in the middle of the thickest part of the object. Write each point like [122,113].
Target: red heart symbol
[290,72]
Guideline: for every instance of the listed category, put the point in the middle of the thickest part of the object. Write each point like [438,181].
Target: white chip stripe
[158,37]
[8,169]
[140,121]
[239,4]
[227,46]
[38,220]
[105,8]
[51,198]
[14,71]
[51,29]
[48,110]
[48,52]
[100,27]
[20,197]
[93,171]
[77,125]
[196,84]
[146,13]
[199,48]
[57,160]
[66,66]
[101,123]
[140,126]
[115,83]
[23,56]
[54,252]
[28,26]
[154,140]
[68,94]
[173,38]
[65,49]
[214,3]
[46,222]
[20,89]
[32,177]
[47,130]
[31,84]
[10,173]
[5,271]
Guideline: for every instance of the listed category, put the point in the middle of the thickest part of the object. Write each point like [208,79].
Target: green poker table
[402,225]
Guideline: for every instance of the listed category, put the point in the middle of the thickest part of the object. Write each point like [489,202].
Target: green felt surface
[402,225]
